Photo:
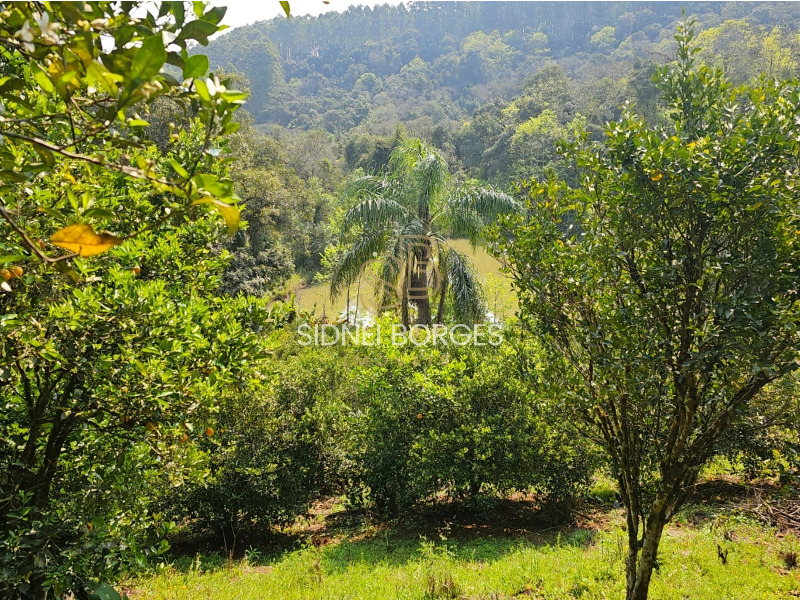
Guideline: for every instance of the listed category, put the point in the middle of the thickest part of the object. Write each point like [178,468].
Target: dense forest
[492,85]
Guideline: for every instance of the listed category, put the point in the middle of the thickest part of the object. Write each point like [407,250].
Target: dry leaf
[82,240]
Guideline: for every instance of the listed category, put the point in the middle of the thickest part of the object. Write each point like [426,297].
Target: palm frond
[432,175]
[357,187]
[425,168]
[375,211]
[465,290]
[366,248]
[472,207]
[390,278]
[463,221]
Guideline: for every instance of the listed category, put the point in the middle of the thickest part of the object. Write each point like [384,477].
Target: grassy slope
[476,558]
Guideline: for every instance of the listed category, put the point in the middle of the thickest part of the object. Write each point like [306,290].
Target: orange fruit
[419,415]
[18,271]
[136,270]
[184,437]
[6,274]
[209,431]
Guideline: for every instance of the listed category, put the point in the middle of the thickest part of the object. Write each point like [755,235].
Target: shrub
[388,427]
[764,438]
[458,421]
[272,453]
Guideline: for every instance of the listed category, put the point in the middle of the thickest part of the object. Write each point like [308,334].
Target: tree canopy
[664,284]
[73,84]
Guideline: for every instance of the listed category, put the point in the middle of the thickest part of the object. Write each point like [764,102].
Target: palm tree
[400,219]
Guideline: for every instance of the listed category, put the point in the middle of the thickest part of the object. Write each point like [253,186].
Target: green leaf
[202,90]
[148,60]
[222,188]
[56,214]
[46,156]
[229,212]
[12,176]
[178,168]
[99,76]
[11,258]
[198,30]
[286,8]
[43,80]
[98,213]
[196,66]
[215,15]
[176,8]
[103,591]
[234,96]
[231,127]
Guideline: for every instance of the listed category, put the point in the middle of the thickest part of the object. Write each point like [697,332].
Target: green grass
[500,298]
[377,563]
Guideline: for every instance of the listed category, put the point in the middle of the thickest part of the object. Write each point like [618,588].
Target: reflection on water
[500,298]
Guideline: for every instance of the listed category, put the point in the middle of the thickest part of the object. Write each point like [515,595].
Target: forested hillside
[435,63]
[492,85]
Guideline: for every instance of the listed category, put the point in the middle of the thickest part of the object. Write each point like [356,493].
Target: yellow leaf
[82,240]
[230,214]
[656,176]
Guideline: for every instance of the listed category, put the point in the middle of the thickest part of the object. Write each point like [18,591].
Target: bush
[764,438]
[386,426]
[272,453]
[457,421]
[97,524]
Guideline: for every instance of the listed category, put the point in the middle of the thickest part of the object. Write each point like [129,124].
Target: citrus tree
[75,82]
[108,376]
[130,361]
[664,287]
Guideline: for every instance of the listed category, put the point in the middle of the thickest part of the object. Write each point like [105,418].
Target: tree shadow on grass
[483,529]
[475,531]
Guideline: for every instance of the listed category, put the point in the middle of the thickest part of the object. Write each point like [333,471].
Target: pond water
[501,300]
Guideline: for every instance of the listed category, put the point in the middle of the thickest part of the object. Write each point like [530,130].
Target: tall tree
[402,218]
[665,286]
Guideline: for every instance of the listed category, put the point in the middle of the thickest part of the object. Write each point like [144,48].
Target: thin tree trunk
[442,302]
[647,561]
[633,553]
[358,297]
[404,296]
[418,293]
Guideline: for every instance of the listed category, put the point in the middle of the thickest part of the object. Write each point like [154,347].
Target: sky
[243,12]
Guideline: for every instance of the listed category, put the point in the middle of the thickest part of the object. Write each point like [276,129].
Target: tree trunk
[442,303]
[639,567]
[633,553]
[404,300]
[474,488]
[647,561]
[418,291]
